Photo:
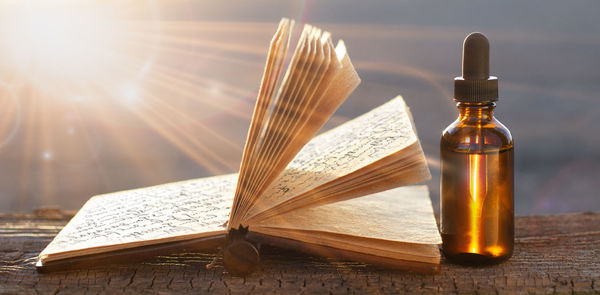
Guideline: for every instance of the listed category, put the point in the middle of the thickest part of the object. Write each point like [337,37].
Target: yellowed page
[164,213]
[429,253]
[405,167]
[305,100]
[290,111]
[251,165]
[287,104]
[386,222]
[275,58]
[325,98]
[371,137]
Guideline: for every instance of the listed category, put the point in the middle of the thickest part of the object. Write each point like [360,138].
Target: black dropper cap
[476,85]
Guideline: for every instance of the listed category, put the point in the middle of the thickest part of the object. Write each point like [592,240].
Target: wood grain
[553,254]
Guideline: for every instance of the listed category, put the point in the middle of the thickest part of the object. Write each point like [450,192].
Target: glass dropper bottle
[477,184]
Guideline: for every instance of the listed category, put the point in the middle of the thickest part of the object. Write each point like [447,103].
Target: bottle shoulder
[469,136]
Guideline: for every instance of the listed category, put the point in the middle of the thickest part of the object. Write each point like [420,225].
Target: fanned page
[318,79]
[398,223]
[375,152]
[159,214]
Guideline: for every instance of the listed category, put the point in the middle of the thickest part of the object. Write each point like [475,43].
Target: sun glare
[59,40]
[90,85]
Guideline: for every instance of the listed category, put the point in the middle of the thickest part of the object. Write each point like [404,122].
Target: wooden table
[554,254]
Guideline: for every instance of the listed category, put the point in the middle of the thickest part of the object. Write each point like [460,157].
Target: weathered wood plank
[554,254]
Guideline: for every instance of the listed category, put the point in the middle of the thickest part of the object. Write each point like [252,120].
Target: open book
[292,190]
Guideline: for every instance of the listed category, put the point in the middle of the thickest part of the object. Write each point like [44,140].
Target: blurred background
[100,96]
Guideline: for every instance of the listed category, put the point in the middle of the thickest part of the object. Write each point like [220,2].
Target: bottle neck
[476,112]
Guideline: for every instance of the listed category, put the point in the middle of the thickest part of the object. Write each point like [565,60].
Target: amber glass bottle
[477,182]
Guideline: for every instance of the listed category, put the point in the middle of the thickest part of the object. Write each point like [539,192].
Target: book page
[286,106]
[318,78]
[169,212]
[333,90]
[340,151]
[397,221]
[275,59]
[402,214]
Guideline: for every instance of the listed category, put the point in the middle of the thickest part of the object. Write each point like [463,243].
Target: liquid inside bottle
[477,204]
